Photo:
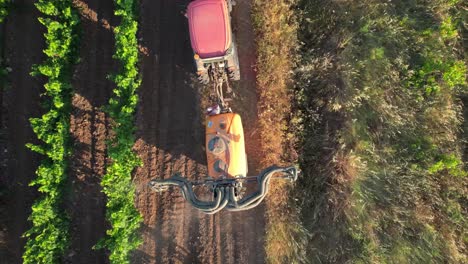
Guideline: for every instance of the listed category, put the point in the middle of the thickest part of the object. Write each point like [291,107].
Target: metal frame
[226,190]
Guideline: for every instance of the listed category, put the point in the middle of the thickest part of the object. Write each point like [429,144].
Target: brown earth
[170,137]
[22,45]
[89,129]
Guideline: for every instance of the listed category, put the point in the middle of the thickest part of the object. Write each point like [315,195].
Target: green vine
[48,237]
[124,218]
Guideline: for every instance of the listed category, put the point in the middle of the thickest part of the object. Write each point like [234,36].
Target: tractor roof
[210,29]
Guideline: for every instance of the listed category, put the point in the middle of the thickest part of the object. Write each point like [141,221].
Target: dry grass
[275,28]
[275,40]
[376,120]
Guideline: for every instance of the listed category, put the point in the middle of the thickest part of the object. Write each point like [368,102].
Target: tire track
[162,126]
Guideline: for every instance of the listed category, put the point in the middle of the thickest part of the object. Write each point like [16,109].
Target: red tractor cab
[212,39]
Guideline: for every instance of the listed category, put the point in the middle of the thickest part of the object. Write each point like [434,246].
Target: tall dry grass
[275,27]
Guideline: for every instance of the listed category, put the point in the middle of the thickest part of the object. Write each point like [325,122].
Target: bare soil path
[89,129]
[171,139]
[23,44]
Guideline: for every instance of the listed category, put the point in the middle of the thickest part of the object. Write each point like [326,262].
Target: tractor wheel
[234,75]
[231,3]
[204,78]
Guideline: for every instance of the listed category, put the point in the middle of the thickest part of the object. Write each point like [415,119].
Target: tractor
[216,58]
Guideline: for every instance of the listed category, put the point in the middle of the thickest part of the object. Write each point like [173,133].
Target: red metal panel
[210,29]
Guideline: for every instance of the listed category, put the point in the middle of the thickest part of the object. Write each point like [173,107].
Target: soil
[22,45]
[89,129]
[170,136]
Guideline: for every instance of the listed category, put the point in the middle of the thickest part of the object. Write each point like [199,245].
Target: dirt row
[89,129]
[22,45]
[170,137]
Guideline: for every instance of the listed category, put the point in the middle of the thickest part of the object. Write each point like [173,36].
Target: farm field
[368,99]
[169,136]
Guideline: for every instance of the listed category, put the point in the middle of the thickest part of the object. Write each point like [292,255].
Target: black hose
[225,195]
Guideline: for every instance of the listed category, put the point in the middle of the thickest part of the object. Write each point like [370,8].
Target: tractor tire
[230,4]
[204,78]
[234,75]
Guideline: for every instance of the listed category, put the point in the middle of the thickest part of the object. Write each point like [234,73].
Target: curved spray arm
[225,190]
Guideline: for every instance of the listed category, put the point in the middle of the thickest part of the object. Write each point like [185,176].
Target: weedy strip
[276,29]
[117,184]
[378,91]
[48,237]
